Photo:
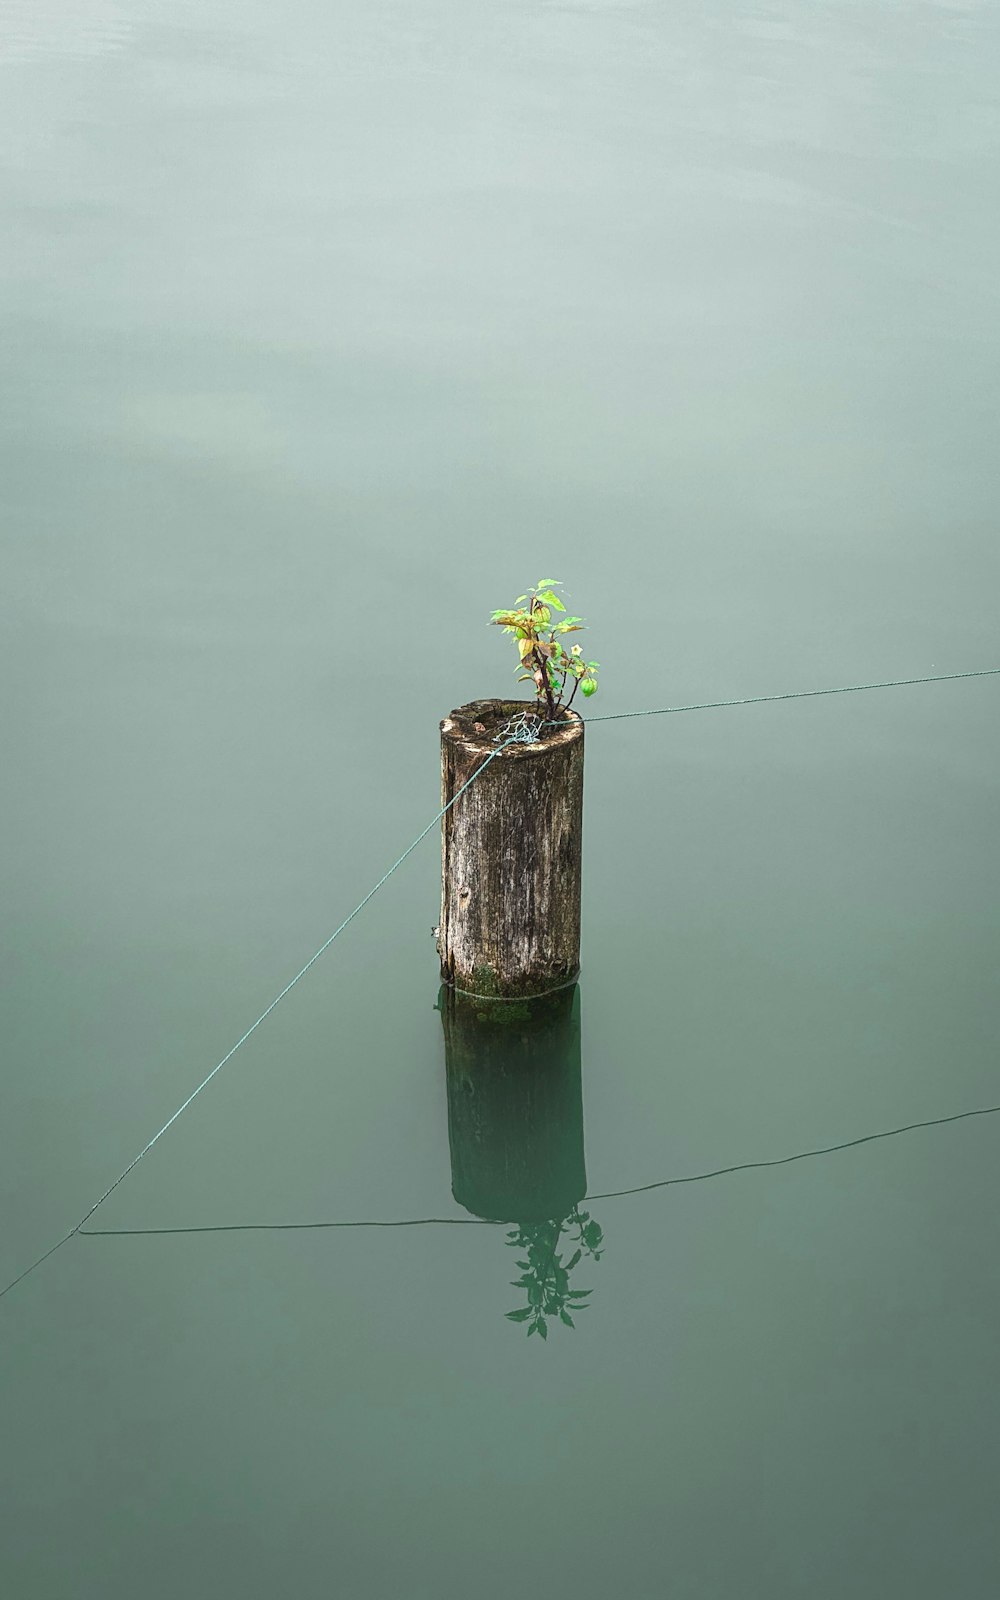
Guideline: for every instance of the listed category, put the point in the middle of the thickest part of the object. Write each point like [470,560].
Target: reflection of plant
[545,1276]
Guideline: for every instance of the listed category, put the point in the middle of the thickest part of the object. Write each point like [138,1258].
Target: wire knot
[523,728]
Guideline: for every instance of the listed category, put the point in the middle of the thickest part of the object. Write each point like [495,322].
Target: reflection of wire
[613,1194]
[288,1227]
[802,1155]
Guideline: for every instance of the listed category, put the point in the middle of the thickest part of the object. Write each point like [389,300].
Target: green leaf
[551,599]
[521,1315]
[548,583]
[571,1263]
[532,1329]
[579,1294]
[543,1329]
[565,1316]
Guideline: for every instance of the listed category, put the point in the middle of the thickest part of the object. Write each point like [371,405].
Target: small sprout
[540,653]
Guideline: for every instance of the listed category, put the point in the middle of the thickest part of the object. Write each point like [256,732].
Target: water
[327,329]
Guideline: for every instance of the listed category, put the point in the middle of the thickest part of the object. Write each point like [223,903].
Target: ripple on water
[34,29]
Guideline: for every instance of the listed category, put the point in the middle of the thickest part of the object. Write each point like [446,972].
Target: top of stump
[476,727]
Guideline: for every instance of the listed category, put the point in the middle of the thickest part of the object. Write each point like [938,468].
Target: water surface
[326,330]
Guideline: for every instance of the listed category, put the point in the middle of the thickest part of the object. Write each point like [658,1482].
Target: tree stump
[515,1105]
[511,854]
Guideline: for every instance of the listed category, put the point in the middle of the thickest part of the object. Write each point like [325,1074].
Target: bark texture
[515,1105]
[511,854]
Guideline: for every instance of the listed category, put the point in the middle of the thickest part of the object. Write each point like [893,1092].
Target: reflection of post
[515,1105]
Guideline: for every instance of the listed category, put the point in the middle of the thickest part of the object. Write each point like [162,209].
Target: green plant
[544,1275]
[542,657]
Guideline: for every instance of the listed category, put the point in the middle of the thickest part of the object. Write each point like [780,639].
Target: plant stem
[550,705]
[540,663]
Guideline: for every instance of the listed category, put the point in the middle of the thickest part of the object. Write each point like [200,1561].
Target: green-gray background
[327,328]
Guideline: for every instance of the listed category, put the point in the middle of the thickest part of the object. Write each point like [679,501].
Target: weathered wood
[515,1105]
[511,854]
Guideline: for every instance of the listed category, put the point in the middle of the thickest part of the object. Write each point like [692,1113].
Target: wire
[252,1029]
[797,694]
[516,737]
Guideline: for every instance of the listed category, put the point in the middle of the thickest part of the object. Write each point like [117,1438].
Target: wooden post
[511,854]
[515,1105]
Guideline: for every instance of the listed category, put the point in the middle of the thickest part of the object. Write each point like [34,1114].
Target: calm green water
[326,329]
